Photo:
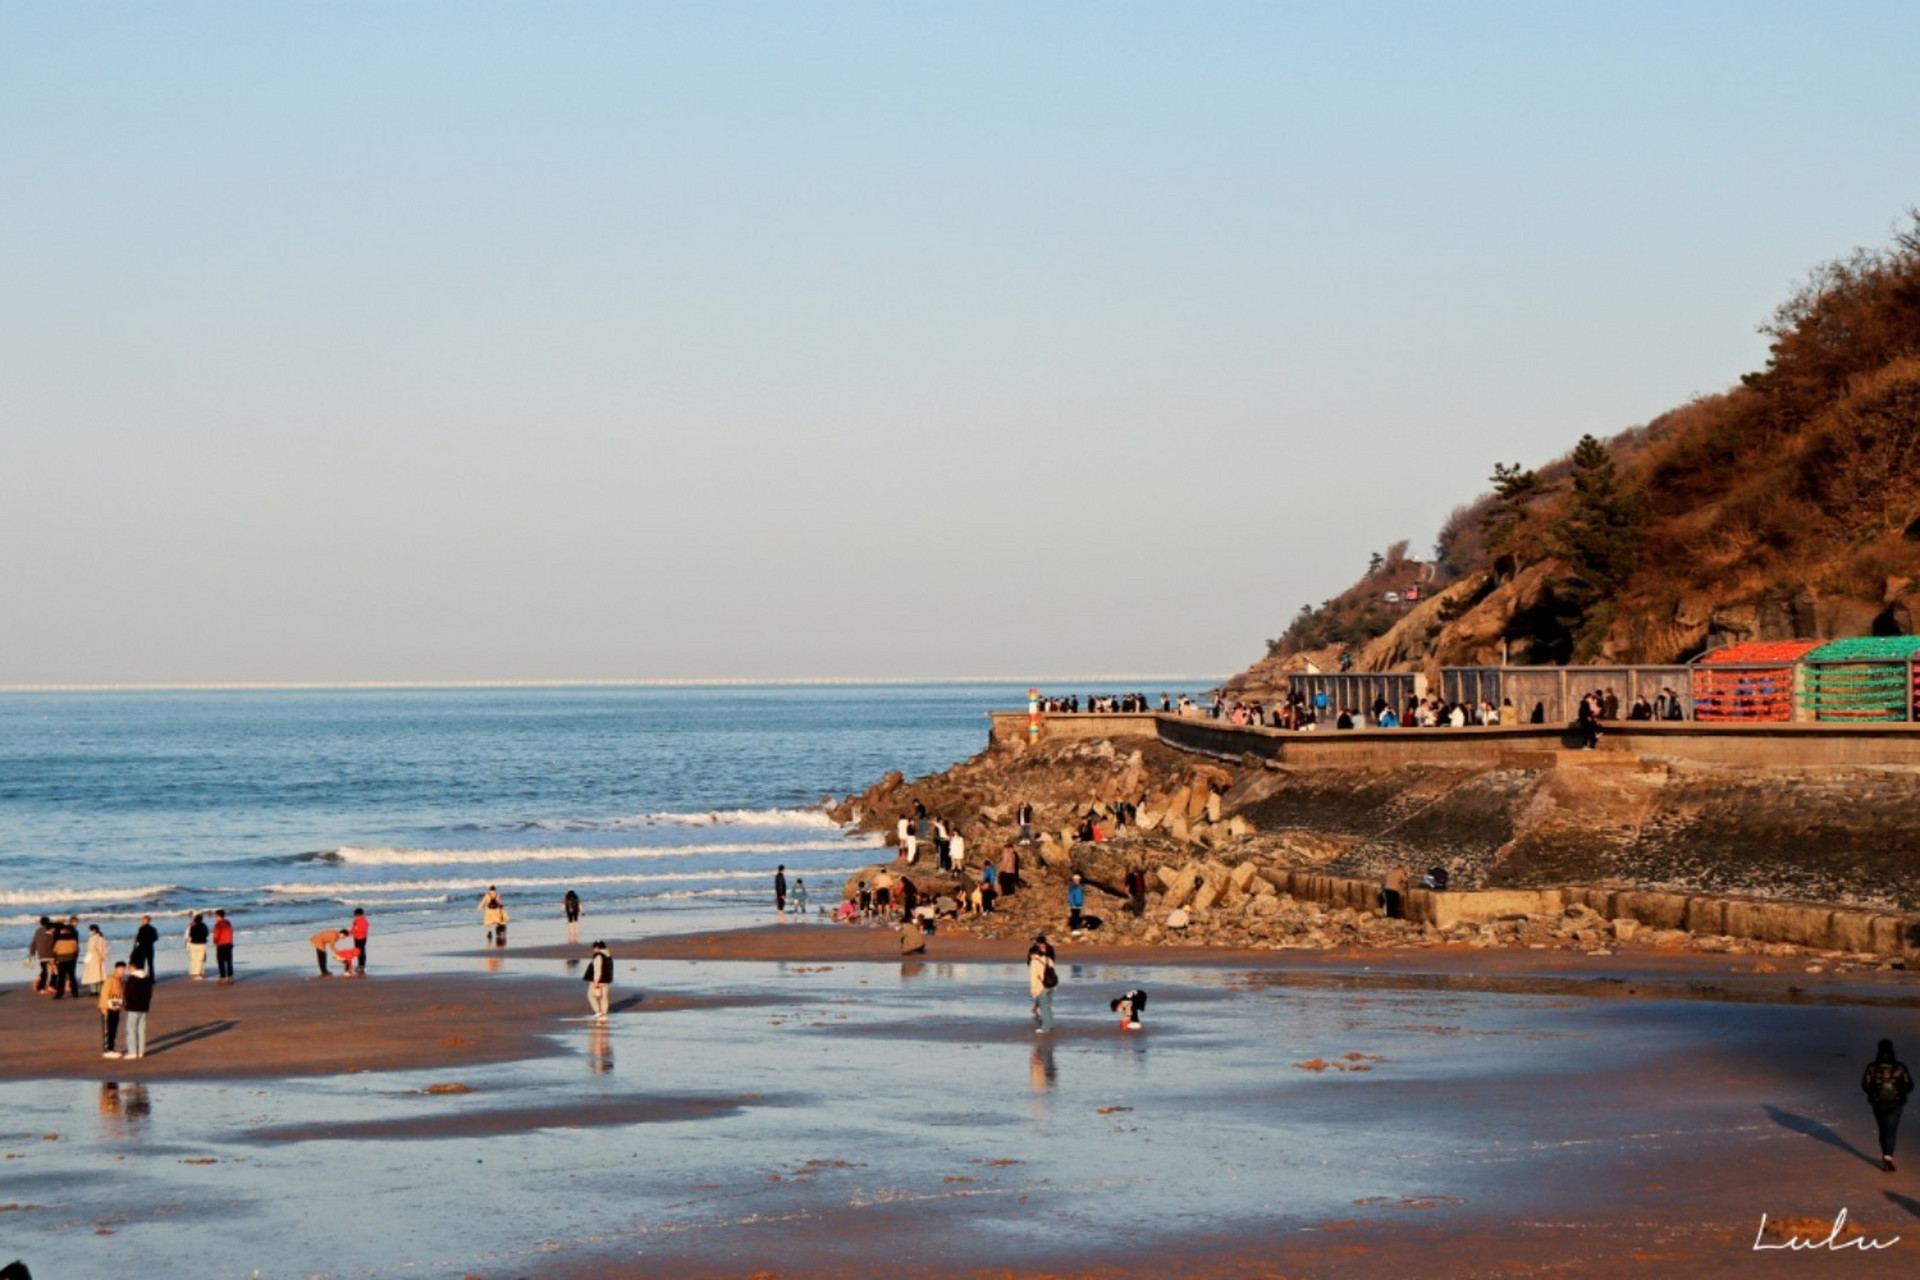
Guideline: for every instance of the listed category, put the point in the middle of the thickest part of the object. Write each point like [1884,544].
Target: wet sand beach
[796,1100]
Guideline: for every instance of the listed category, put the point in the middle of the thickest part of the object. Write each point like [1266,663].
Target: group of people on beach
[348,946]
[122,989]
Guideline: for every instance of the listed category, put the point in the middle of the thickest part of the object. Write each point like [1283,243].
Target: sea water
[290,807]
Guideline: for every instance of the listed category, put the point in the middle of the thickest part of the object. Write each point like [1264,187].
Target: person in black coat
[1886,1082]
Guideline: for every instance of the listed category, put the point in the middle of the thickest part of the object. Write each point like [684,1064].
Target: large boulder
[1104,865]
[1185,884]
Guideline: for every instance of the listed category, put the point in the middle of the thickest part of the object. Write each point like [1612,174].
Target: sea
[290,807]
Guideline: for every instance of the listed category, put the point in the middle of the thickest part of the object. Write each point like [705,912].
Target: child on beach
[1130,1006]
[800,898]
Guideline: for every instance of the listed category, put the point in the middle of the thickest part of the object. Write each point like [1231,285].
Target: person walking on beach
[223,945]
[112,1000]
[1887,1082]
[359,927]
[137,994]
[599,976]
[197,934]
[1042,977]
[570,908]
[145,939]
[40,954]
[493,915]
[94,973]
[780,891]
[66,958]
[323,942]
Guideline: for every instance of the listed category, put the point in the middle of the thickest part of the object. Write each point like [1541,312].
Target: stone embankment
[1598,852]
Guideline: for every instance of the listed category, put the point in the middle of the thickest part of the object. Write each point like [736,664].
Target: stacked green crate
[1866,678]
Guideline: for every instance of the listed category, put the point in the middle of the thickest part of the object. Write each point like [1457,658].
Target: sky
[396,342]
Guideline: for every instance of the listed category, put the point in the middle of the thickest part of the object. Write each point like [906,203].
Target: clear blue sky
[419,341]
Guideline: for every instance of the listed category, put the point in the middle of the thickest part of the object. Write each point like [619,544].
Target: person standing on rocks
[1887,1082]
[1137,892]
[1026,822]
[1076,901]
[1042,977]
[1008,882]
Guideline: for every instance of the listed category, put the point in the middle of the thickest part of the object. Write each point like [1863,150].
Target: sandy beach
[796,1100]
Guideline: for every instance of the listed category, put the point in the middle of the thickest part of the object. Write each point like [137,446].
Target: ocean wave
[385,857]
[478,884]
[54,899]
[811,819]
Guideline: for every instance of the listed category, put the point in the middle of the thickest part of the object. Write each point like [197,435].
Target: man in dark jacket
[1886,1082]
[145,939]
[138,996]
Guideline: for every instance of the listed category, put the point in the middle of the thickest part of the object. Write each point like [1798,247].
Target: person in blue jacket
[1076,899]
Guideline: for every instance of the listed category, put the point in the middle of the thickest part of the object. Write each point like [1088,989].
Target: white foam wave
[53,899]
[810,819]
[311,889]
[384,857]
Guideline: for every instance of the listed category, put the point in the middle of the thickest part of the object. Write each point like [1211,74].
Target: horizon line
[289,686]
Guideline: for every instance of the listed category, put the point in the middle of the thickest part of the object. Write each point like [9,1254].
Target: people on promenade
[780,891]
[112,1000]
[1886,1082]
[137,995]
[1042,977]
[94,972]
[493,916]
[570,908]
[197,935]
[324,942]
[145,939]
[599,978]
[223,944]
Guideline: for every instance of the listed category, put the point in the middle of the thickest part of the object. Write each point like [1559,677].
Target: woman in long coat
[95,971]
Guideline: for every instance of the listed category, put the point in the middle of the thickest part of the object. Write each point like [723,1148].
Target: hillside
[1787,507]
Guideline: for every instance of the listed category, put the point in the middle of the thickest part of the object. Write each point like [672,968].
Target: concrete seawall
[1758,746]
[1800,923]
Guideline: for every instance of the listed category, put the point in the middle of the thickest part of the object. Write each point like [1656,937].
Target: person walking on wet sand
[493,915]
[1887,1082]
[800,898]
[359,927]
[599,976]
[780,891]
[570,908]
[1042,977]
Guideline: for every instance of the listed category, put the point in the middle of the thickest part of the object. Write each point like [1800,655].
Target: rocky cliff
[1787,507]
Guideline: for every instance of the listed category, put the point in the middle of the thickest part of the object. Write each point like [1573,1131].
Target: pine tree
[1598,536]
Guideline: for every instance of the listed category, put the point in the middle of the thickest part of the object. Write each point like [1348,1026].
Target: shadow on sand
[1817,1131]
[187,1035]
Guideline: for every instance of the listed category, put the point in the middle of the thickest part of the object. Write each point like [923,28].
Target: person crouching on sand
[323,942]
[1887,1082]
[599,976]
[1130,1006]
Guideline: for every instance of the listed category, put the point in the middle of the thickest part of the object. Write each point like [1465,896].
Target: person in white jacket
[1042,977]
[95,971]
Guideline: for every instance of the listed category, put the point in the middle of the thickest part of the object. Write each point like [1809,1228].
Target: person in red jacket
[359,931]
[223,945]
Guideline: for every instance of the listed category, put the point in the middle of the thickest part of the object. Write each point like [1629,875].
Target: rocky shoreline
[1221,845]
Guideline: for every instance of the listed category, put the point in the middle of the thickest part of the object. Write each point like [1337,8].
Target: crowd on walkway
[1298,711]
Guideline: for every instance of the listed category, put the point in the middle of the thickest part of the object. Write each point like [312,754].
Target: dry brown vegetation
[1785,507]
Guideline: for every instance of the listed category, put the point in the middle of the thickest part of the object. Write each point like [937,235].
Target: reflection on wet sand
[1042,1075]
[600,1049]
[122,1107]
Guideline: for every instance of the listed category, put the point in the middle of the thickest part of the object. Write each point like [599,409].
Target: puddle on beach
[918,1095]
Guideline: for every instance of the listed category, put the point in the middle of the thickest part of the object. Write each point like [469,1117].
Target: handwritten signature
[1831,1240]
